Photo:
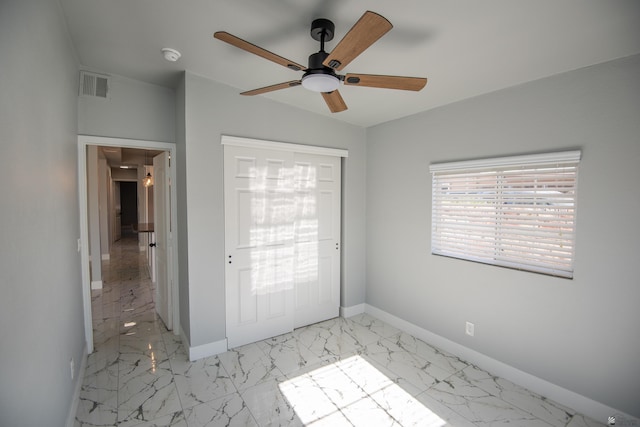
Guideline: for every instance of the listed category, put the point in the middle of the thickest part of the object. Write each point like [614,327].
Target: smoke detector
[171,55]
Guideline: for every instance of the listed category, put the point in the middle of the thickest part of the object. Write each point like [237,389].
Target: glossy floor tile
[358,371]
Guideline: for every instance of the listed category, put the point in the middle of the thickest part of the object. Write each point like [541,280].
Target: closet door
[259,240]
[282,241]
[317,238]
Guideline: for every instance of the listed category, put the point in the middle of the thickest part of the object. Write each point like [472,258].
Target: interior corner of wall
[352,310]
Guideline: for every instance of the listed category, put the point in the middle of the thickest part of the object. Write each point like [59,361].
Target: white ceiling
[130,157]
[464,47]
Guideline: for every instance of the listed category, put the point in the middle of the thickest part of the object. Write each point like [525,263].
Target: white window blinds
[517,212]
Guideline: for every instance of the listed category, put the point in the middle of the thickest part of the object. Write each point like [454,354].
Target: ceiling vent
[92,84]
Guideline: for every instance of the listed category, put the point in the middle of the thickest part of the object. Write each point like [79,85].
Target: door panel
[162,209]
[258,242]
[326,172]
[325,290]
[325,215]
[317,278]
[245,222]
[247,308]
[245,167]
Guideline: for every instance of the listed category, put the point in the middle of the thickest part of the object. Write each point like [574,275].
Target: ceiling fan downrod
[322,30]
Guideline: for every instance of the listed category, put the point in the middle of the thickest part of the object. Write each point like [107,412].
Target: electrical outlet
[72,367]
[469,328]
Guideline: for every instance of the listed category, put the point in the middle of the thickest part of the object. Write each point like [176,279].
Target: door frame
[83,142]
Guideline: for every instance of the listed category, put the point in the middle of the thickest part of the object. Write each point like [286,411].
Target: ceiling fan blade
[369,28]
[386,82]
[334,101]
[271,88]
[256,50]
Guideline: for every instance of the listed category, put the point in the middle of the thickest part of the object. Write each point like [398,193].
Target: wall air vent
[92,84]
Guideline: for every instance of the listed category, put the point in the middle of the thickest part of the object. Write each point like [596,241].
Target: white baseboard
[204,350]
[352,310]
[106,257]
[96,284]
[75,398]
[581,404]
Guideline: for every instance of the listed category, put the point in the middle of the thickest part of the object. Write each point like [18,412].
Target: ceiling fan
[320,75]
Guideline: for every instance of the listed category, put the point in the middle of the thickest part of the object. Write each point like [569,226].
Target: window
[517,212]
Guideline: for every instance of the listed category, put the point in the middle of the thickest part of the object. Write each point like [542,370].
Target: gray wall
[213,109]
[133,110]
[40,308]
[580,334]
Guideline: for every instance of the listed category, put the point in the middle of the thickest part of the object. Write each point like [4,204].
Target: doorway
[169,196]
[128,208]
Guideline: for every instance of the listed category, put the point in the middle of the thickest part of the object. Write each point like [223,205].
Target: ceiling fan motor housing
[316,59]
[316,67]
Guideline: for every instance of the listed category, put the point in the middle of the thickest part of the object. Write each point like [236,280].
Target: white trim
[106,257]
[206,350]
[77,388]
[84,246]
[529,159]
[96,284]
[125,143]
[352,310]
[273,145]
[575,401]
[83,142]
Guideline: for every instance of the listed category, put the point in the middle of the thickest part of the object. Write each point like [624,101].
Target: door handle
[152,245]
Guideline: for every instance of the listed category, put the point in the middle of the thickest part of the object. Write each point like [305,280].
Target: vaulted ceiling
[464,47]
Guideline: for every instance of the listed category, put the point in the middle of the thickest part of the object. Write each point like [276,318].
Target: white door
[259,243]
[317,237]
[162,209]
[282,241]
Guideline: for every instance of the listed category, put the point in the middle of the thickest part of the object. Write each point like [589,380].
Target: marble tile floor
[358,371]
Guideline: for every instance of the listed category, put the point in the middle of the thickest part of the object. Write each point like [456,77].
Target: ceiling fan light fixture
[320,82]
[147,181]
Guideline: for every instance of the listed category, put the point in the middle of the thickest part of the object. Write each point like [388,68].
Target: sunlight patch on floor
[353,389]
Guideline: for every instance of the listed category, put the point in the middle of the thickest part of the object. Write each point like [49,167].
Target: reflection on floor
[358,371]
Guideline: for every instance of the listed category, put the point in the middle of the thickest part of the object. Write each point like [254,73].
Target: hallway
[128,378]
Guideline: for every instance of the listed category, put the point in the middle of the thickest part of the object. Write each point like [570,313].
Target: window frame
[529,201]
